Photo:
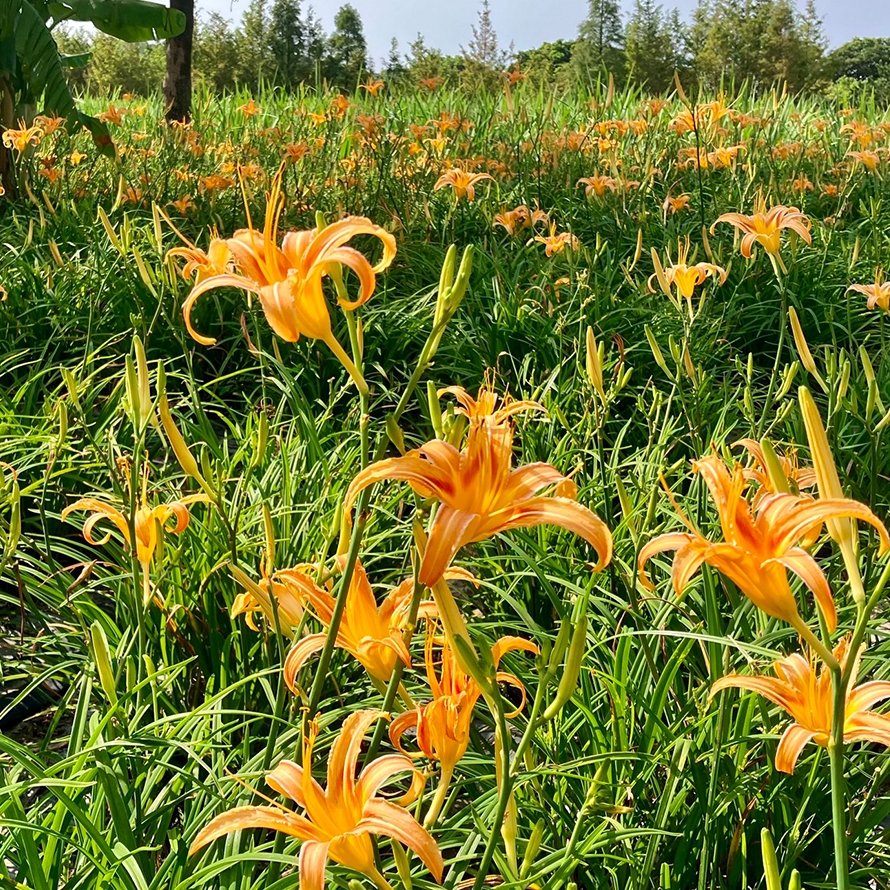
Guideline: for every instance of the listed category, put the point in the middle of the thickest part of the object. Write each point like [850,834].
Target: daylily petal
[255,817]
[313,859]
[792,743]
[383,817]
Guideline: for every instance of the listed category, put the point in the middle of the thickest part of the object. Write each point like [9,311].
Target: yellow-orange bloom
[808,698]
[463,183]
[285,587]
[554,243]
[340,819]
[373,87]
[443,724]
[20,139]
[764,226]
[521,217]
[147,523]
[598,185]
[479,492]
[375,636]
[675,204]
[868,158]
[204,264]
[683,277]
[759,548]
[288,279]
[878,293]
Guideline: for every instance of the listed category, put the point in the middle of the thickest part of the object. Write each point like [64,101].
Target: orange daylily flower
[443,724]
[868,158]
[878,293]
[463,183]
[759,547]
[598,185]
[204,264]
[675,204]
[683,277]
[147,522]
[287,589]
[288,279]
[764,226]
[809,698]
[249,109]
[799,478]
[554,243]
[20,139]
[521,217]
[374,635]
[373,88]
[339,820]
[480,493]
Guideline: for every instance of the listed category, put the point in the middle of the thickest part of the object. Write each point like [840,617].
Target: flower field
[411,489]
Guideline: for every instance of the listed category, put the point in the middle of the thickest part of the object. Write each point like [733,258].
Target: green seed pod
[102,657]
[569,680]
[770,863]
[432,397]
[531,848]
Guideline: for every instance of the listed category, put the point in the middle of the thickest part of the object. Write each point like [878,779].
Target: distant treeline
[281,43]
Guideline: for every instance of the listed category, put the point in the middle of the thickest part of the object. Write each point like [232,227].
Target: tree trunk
[7,169]
[178,79]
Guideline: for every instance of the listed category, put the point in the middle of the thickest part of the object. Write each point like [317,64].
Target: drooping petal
[867,695]
[512,644]
[776,691]
[447,536]
[298,656]
[660,544]
[808,570]
[569,515]
[383,817]
[202,287]
[793,742]
[255,817]
[313,859]
[868,727]
[399,726]
[377,773]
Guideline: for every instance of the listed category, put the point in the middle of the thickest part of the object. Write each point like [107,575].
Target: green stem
[838,782]
[783,326]
[504,790]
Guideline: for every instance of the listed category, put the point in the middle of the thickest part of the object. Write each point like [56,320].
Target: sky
[447,24]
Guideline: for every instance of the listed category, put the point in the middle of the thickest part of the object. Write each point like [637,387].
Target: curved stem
[816,645]
[439,798]
[347,363]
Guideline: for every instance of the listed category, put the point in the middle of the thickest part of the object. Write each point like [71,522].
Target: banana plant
[32,71]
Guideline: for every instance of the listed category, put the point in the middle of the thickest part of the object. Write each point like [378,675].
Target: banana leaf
[130,20]
[40,75]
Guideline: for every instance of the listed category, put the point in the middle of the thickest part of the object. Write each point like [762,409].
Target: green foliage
[600,45]
[862,65]
[347,59]
[136,68]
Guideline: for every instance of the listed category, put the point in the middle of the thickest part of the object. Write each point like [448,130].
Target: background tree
[255,64]
[178,76]
[600,44]
[394,70]
[216,59]
[315,46]
[654,45]
[287,42]
[347,49]
[484,59]
[861,64]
